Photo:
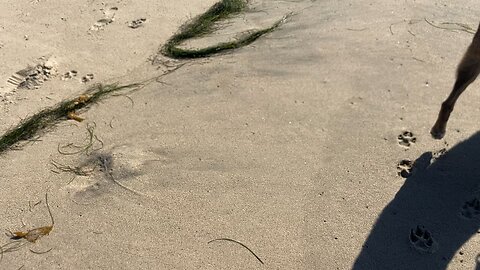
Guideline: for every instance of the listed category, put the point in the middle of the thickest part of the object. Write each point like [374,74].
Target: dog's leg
[467,72]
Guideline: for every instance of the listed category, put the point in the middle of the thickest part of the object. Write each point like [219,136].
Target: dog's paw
[437,133]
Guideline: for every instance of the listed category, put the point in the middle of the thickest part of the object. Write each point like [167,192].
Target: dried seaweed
[458,26]
[34,234]
[72,149]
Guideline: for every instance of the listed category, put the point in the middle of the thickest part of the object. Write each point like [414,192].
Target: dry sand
[288,145]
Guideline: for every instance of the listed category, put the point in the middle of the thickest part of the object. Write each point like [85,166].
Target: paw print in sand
[136,23]
[422,240]
[69,75]
[87,78]
[471,209]
[404,168]
[406,139]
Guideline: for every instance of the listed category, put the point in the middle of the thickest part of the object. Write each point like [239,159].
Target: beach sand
[288,145]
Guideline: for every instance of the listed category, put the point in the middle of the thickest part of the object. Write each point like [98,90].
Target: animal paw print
[69,75]
[421,239]
[108,19]
[100,24]
[136,23]
[438,154]
[471,209]
[406,139]
[404,168]
[87,78]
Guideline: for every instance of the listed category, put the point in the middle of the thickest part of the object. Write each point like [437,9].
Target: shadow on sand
[437,197]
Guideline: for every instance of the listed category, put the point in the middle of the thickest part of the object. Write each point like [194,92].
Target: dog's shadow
[439,199]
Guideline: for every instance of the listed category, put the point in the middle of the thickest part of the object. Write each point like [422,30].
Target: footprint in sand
[73,74]
[406,139]
[100,24]
[108,19]
[33,77]
[471,209]
[69,75]
[136,23]
[87,78]
[86,194]
[422,240]
[436,155]
[404,168]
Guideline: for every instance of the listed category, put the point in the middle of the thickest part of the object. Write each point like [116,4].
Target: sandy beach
[309,147]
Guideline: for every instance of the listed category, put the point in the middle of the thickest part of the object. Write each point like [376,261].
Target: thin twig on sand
[235,241]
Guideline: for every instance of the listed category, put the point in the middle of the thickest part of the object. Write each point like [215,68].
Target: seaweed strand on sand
[205,24]
[48,117]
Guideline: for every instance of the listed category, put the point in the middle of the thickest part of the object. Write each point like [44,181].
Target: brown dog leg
[467,72]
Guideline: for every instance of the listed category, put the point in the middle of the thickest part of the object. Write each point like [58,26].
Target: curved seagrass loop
[205,24]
